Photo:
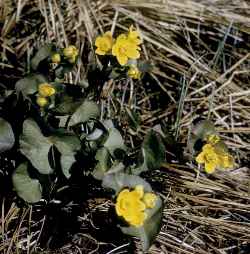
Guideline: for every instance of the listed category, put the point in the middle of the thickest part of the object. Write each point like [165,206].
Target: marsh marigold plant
[213,156]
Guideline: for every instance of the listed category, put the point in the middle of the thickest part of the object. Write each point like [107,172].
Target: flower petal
[200,158]
[210,167]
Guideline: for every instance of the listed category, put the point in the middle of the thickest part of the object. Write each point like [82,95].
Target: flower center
[122,50]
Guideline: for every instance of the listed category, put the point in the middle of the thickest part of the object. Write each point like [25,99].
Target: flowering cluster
[70,53]
[132,205]
[45,90]
[125,47]
[214,156]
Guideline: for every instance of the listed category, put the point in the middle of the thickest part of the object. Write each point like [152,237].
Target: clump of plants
[59,135]
[60,127]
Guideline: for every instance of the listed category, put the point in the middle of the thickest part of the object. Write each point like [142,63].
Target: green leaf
[104,163]
[29,84]
[68,105]
[203,129]
[67,145]
[43,53]
[199,132]
[151,227]
[35,147]
[118,181]
[7,138]
[114,141]
[27,188]
[85,112]
[153,152]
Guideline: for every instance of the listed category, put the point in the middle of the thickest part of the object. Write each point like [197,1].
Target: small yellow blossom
[103,43]
[130,206]
[149,199]
[56,58]
[124,49]
[41,101]
[134,72]
[46,90]
[71,53]
[213,139]
[213,158]
[134,36]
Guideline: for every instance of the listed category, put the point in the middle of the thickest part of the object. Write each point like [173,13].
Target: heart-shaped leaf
[104,163]
[27,188]
[153,153]
[118,181]
[43,53]
[35,147]
[114,141]
[86,111]
[67,146]
[7,138]
[68,105]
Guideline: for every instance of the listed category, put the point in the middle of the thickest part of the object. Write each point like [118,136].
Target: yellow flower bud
[46,90]
[134,72]
[70,51]
[56,58]
[41,101]
[149,199]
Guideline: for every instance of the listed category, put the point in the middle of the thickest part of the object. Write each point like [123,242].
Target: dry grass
[200,50]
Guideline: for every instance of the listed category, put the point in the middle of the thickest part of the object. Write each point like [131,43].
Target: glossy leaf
[29,84]
[27,188]
[67,146]
[7,138]
[86,111]
[43,53]
[35,147]
[114,141]
[153,153]
[104,163]
[118,181]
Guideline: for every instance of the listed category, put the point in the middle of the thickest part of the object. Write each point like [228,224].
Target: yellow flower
[134,72]
[103,43]
[213,139]
[149,199]
[71,53]
[213,158]
[125,49]
[130,206]
[134,36]
[56,58]
[41,101]
[46,90]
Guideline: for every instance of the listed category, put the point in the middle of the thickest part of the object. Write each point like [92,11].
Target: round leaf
[29,85]
[7,138]
[27,188]
[85,112]
[43,53]
[118,181]
[114,141]
[35,147]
